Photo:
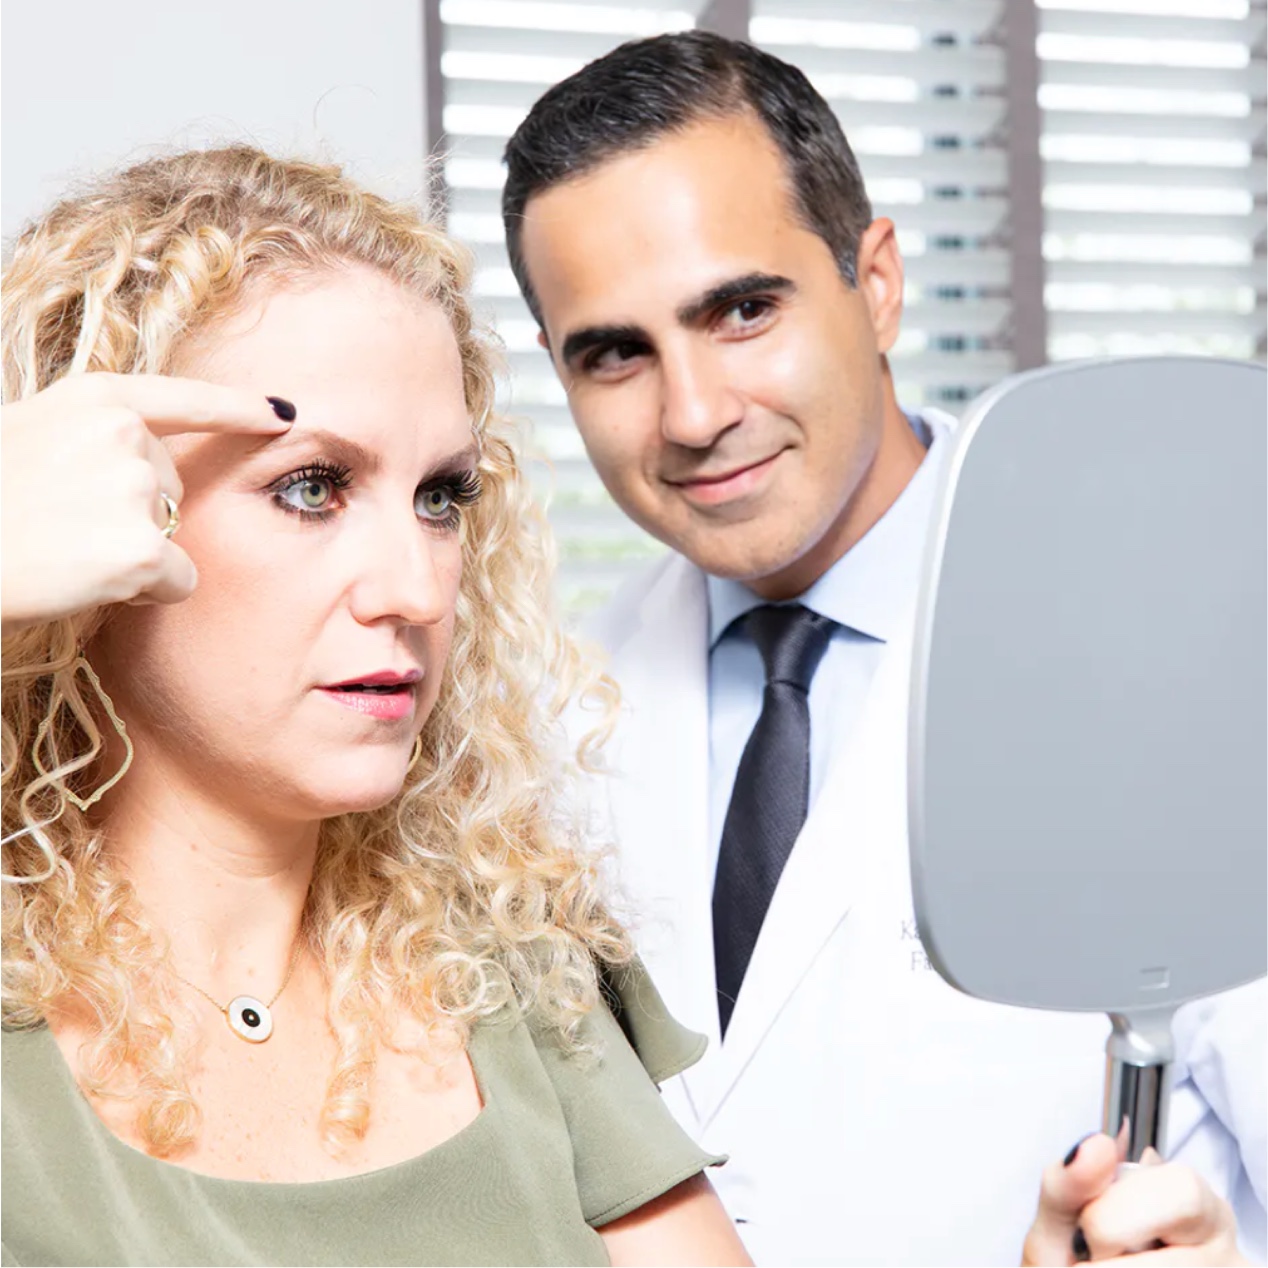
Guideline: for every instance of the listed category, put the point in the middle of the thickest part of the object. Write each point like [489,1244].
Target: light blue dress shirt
[869,592]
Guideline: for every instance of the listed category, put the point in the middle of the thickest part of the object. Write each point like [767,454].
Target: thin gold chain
[224,1008]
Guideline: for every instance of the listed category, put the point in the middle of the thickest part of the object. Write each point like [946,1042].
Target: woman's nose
[408,576]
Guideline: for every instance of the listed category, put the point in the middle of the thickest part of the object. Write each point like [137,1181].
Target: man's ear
[880,278]
[542,341]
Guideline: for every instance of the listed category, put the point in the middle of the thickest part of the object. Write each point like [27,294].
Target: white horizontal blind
[497,59]
[919,87]
[1153,149]
[1153,186]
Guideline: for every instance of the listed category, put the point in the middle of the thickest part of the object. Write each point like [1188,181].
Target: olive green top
[564,1143]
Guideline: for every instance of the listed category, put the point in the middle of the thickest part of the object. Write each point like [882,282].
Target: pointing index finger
[172,405]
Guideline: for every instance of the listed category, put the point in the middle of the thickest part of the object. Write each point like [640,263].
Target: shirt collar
[873,585]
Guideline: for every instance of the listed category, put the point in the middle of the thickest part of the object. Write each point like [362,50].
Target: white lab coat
[872,1114]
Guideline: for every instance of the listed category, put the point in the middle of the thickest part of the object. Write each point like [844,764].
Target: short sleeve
[627,1147]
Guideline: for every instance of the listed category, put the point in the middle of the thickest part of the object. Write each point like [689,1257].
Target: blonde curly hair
[475,889]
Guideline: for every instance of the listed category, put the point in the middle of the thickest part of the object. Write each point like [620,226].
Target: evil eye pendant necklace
[249,1018]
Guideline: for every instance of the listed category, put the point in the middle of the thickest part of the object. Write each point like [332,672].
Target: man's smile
[728,486]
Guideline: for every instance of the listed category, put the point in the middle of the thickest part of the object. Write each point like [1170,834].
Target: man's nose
[698,403]
[404,577]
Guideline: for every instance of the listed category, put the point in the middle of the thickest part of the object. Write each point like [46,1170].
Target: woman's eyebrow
[357,456]
[465,459]
[331,443]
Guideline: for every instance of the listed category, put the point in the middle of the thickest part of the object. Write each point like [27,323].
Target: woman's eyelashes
[440,501]
[315,492]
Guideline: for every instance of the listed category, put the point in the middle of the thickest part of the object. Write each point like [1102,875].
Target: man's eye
[614,356]
[746,312]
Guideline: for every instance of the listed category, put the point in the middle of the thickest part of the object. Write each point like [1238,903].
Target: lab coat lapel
[857,822]
[854,838]
[660,795]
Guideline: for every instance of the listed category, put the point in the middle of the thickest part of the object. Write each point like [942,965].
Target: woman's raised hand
[1154,1214]
[85,483]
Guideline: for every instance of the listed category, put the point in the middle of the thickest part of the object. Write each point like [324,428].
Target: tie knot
[792,641]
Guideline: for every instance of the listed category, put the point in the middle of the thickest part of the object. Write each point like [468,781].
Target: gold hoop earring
[416,754]
[89,725]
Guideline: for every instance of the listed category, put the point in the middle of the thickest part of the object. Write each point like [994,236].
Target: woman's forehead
[307,317]
[360,356]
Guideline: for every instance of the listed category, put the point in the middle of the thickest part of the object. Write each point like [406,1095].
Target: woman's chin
[351,790]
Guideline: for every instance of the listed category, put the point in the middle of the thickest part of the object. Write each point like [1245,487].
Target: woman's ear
[879,270]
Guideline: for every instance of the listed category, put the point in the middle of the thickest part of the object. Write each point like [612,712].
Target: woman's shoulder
[630,1029]
[28,1056]
[664,1046]
[42,1108]
[625,1144]
[41,1099]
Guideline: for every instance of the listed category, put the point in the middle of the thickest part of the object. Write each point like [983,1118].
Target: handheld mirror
[1088,731]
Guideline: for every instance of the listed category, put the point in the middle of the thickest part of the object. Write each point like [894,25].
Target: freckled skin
[238,756]
[218,691]
[804,382]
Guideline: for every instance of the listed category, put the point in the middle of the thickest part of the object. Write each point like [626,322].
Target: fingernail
[282,408]
[1074,1153]
[1078,1244]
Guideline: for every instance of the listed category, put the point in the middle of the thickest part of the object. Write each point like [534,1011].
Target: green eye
[315,494]
[433,503]
[314,490]
[310,493]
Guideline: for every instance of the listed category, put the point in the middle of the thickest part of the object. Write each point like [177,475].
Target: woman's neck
[224,885]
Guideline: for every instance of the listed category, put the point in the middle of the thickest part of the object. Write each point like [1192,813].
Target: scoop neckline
[479,1126]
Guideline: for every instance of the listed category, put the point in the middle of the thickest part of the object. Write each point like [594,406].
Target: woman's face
[299,673]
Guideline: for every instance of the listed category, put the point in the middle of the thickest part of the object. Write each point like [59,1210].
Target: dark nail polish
[1078,1244]
[1074,1153]
[282,408]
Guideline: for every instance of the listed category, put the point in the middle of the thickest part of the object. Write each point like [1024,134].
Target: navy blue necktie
[771,793]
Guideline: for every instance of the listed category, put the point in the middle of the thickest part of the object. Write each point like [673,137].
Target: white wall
[87,85]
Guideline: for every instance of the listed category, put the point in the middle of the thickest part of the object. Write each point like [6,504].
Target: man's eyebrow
[594,336]
[729,291]
[688,315]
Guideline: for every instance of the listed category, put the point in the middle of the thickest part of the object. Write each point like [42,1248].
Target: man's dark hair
[646,89]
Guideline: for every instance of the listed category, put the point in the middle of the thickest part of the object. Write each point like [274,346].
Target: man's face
[728,384]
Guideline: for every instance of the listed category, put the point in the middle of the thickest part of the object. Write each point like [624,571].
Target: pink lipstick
[383,694]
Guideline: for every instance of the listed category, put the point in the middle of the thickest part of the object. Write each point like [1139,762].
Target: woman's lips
[391,705]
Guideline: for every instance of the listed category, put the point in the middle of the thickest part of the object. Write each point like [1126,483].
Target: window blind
[919,87]
[1153,155]
[497,59]
[1151,134]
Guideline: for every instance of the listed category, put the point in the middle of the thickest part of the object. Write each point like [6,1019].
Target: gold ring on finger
[173,514]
